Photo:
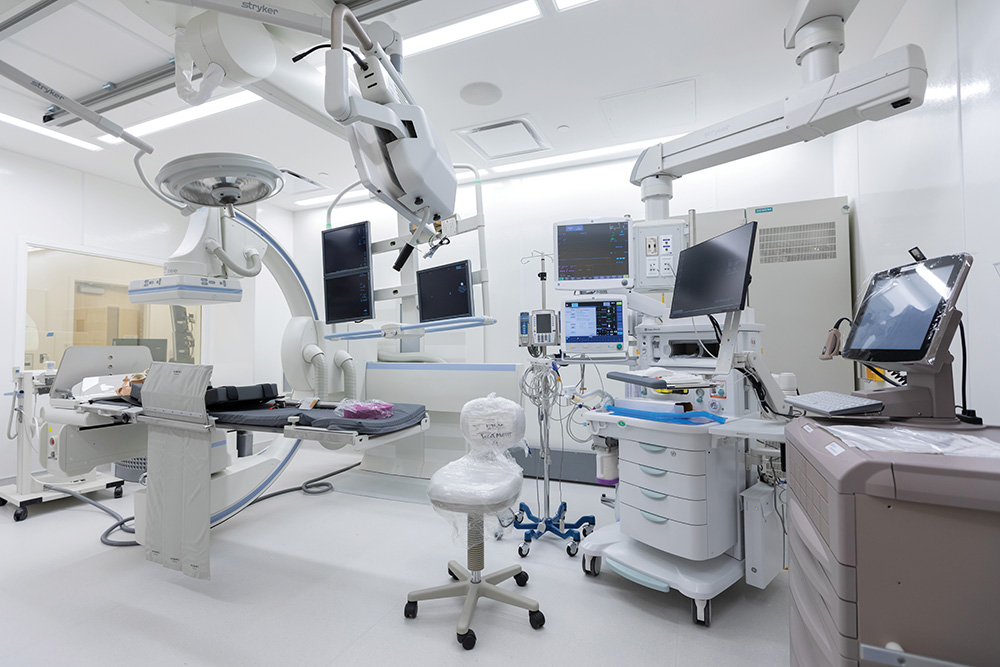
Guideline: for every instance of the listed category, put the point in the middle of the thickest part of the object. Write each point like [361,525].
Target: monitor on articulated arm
[906,322]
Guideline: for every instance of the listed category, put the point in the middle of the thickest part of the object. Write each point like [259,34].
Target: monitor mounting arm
[828,101]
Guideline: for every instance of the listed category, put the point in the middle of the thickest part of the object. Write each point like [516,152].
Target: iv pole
[540,383]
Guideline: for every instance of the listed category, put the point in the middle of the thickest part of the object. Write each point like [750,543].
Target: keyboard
[832,403]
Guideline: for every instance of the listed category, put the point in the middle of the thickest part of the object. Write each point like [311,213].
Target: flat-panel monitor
[595,324]
[713,276]
[348,297]
[347,248]
[445,292]
[593,254]
[347,277]
[904,311]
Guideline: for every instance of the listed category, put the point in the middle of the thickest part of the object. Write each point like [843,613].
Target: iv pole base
[535,527]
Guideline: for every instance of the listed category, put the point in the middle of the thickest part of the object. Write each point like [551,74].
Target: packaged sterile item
[373,409]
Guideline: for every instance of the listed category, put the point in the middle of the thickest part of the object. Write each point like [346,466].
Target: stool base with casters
[472,584]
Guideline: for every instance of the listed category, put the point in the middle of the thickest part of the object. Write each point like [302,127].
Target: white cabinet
[678,489]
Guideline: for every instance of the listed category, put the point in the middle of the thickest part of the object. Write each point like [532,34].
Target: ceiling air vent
[506,138]
[797,243]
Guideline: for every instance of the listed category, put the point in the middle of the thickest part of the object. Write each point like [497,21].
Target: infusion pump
[539,328]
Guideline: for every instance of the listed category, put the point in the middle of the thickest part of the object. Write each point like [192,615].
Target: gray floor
[322,580]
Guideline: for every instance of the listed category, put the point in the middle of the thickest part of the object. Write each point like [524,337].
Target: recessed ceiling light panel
[508,138]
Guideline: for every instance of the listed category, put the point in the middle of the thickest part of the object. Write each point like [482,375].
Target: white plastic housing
[184,290]
[244,49]
[883,87]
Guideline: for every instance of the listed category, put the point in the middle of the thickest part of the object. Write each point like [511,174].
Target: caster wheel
[3,501]
[118,492]
[468,640]
[587,529]
[523,549]
[591,565]
[20,514]
[521,578]
[452,574]
[536,618]
[572,548]
[707,621]
[410,610]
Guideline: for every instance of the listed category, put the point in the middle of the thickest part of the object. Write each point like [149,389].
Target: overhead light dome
[219,179]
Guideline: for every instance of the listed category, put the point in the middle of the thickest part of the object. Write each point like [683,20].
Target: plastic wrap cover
[949,443]
[898,310]
[487,480]
[373,409]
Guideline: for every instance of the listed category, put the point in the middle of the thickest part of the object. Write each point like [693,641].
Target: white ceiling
[559,70]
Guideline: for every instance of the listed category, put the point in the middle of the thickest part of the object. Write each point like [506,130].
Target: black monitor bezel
[626,279]
[420,293]
[711,310]
[959,264]
[367,269]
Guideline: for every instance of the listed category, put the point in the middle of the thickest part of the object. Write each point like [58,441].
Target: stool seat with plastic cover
[473,493]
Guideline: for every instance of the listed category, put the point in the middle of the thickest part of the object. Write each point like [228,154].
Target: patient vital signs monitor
[593,254]
[347,273]
[713,276]
[445,292]
[595,324]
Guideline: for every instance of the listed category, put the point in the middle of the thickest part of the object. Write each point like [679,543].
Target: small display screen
[902,310]
[346,248]
[543,323]
[348,298]
[445,292]
[713,276]
[592,251]
[347,278]
[594,322]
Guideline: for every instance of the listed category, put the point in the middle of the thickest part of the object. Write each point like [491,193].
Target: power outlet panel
[663,241]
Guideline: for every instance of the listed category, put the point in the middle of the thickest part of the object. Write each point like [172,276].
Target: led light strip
[186,115]
[46,132]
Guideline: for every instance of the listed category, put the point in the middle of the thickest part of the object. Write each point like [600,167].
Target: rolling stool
[482,483]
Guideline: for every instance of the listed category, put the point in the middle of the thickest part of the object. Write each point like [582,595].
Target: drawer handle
[652,494]
[655,449]
[652,517]
[656,472]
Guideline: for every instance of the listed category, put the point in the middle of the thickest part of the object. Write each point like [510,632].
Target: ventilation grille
[798,243]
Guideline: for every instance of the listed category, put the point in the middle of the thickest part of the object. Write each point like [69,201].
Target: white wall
[929,177]
[520,212]
[48,204]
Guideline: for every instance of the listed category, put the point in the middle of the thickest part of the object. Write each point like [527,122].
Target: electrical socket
[652,247]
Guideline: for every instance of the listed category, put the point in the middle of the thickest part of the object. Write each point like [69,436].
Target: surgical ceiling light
[477,25]
[46,132]
[186,115]
[219,179]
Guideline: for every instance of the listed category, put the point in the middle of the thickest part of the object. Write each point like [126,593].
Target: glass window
[80,299]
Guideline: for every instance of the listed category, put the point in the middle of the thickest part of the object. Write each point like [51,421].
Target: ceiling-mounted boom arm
[828,101]
[410,169]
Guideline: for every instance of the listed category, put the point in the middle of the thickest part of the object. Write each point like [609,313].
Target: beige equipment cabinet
[801,282]
[893,556]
